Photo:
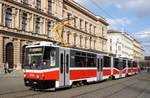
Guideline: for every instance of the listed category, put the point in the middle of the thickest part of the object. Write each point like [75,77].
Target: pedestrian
[6,68]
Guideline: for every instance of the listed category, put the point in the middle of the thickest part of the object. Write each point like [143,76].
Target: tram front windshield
[38,58]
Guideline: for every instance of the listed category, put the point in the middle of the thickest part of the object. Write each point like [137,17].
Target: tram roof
[41,43]
[44,43]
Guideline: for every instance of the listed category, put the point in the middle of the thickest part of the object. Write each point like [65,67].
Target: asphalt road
[137,86]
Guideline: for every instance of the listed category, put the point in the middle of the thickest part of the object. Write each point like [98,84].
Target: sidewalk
[14,73]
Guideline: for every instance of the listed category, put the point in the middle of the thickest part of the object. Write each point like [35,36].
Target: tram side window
[49,57]
[91,62]
[80,61]
[120,65]
[61,62]
[67,63]
[134,64]
[116,63]
[102,64]
[46,57]
[107,61]
[129,64]
[53,58]
[124,63]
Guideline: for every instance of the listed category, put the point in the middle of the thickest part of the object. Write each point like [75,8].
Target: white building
[120,44]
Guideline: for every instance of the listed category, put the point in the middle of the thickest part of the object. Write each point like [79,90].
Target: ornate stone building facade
[121,44]
[138,52]
[25,21]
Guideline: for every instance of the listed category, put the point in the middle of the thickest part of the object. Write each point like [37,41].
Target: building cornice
[85,11]
[24,35]
[30,9]
[86,33]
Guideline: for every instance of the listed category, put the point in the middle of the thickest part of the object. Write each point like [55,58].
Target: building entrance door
[10,55]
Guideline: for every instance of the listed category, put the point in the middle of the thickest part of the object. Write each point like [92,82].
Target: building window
[81,24]
[102,31]
[86,26]
[85,42]
[75,36]
[90,28]
[49,29]
[37,25]
[80,40]
[68,37]
[110,41]
[24,21]
[49,7]
[90,42]
[75,21]
[110,48]
[119,48]
[69,17]
[94,30]
[8,17]
[94,43]
[24,1]
[38,4]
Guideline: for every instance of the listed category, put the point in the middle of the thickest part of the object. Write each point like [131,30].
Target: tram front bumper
[39,84]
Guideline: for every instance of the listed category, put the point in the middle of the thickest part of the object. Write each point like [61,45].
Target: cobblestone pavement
[137,86]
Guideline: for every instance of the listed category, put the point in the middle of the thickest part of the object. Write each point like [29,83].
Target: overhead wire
[106,13]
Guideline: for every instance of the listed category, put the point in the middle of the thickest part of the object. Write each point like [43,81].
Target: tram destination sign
[35,50]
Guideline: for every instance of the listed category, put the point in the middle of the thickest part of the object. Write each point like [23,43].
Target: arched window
[10,55]
[23,55]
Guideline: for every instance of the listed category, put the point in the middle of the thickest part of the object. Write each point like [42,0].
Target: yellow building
[137,51]
[25,21]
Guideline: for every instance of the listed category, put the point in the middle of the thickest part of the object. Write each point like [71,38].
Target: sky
[132,16]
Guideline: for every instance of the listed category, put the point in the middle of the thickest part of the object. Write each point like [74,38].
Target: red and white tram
[50,66]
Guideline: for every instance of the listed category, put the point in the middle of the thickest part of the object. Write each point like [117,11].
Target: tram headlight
[24,75]
[38,76]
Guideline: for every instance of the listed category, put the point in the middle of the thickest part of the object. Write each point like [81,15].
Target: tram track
[126,87]
[109,95]
[30,93]
[109,86]
[21,94]
[5,93]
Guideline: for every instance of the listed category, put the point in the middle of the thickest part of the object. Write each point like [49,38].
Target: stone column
[18,0]
[17,19]
[54,7]
[59,9]
[32,2]
[53,35]
[1,14]
[17,53]
[1,52]
[71,41]
[41,26]
[44,27]
[20,20]
[28,22]
[44,5]
[31,23]
[13,17]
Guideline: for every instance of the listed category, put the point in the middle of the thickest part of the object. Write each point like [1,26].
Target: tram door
[99,67]
[64,64]
[120,66]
